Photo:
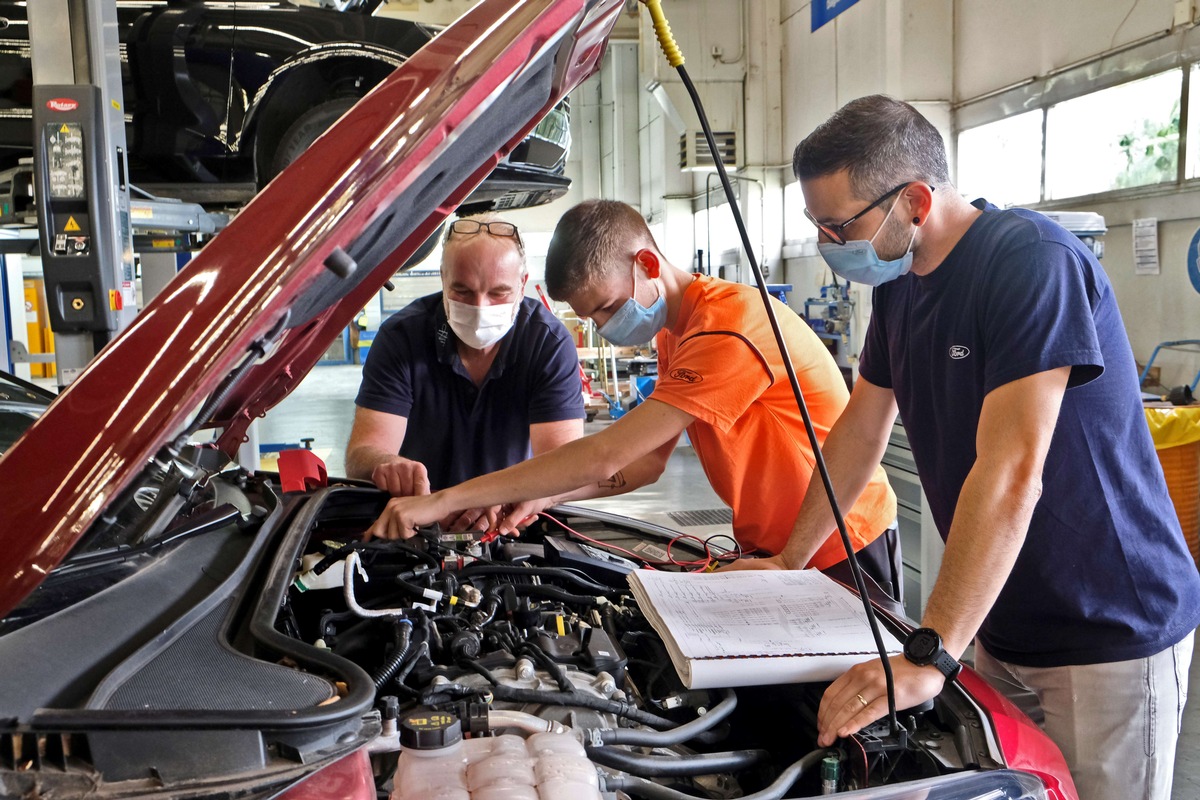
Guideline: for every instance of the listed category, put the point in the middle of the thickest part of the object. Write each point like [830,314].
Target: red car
[175,626]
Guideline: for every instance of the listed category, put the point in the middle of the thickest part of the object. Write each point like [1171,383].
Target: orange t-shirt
[720,364]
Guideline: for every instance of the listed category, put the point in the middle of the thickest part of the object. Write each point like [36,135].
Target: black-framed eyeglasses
[468,227]
[836,232]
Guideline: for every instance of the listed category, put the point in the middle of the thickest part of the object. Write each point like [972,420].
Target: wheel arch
[307,79]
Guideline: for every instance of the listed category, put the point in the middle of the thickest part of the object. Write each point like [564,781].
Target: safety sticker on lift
[68,189]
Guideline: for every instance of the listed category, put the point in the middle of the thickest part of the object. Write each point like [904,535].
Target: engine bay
[489,654]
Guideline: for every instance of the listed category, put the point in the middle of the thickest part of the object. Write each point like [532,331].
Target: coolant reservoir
[437,764]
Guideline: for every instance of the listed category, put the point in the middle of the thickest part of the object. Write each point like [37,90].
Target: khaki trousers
[1116,724]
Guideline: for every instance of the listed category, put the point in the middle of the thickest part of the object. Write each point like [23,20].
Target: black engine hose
[404,631]
[453,692]
[540,572]
[575,698]
[403,547]
[676,735]
[609,623]
[640,787]
[555,593]
[422,650]
[415,590]
[676,766]
[555,669]
[479,669]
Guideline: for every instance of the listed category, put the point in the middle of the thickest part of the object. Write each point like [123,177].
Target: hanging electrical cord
[675,58]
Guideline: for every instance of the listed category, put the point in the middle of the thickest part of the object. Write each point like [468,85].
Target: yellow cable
[663,31]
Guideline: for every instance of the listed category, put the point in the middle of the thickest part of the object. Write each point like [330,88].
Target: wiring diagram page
[797,625]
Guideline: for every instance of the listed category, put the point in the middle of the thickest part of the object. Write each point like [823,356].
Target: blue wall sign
[825,10]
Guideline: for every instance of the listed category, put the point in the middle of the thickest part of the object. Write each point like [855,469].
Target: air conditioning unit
[694,153]
[1087,225]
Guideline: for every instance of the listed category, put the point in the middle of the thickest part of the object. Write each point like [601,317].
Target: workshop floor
[322,407]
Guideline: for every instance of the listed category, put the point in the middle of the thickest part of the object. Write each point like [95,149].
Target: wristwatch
[924,647]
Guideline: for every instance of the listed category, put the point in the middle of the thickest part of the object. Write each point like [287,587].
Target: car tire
[306,130]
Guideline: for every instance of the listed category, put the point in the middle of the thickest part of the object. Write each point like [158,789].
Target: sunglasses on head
[469,227]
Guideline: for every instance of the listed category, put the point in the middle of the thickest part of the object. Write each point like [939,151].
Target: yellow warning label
[64,129]
[72,226]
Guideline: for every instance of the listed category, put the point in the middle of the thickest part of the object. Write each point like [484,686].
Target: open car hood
[266,297]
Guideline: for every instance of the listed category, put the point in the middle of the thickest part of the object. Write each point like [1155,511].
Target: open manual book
[755,627]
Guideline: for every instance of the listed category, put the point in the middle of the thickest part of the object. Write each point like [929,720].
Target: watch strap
[947,664]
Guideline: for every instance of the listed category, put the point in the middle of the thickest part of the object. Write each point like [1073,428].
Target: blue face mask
[857,260]
[633,323]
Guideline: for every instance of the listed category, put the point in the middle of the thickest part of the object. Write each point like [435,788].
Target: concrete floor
[322,407]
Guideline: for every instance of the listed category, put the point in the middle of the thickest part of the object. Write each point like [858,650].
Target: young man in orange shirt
[720,377]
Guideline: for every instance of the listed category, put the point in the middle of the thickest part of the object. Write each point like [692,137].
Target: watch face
[922,644]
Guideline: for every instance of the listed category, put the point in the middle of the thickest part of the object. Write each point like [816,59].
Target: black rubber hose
[677,735]
[422,649]
[555,669]
[485,613]
[510,694]
[555,593]
[676,766]
[609,623]
[397,544]
[541,572]
[399,652]
[640,787]
[479,669]
[417,591]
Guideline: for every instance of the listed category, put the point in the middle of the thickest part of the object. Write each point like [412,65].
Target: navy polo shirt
[456,429]
[1104,574]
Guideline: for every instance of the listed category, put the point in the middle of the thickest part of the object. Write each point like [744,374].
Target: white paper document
[756,627]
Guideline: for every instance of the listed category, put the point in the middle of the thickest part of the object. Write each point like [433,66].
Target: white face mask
[480,327]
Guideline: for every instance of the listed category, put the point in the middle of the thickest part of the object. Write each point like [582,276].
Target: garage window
[1002,160]
[1192,166]
[1116,138]
[796,227]
[1065,145]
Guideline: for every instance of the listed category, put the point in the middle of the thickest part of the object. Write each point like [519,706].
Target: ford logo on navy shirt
[959,351]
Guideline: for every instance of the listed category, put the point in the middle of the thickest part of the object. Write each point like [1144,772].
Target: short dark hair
[880,142]
[589,241]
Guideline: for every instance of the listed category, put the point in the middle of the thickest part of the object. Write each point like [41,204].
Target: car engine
[522,668]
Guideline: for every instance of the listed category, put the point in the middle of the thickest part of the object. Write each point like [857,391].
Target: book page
[756,613]
[717,673]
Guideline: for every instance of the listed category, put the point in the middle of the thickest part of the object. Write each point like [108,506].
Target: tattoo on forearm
[616,481]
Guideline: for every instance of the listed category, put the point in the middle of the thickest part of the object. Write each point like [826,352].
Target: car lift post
[80,171]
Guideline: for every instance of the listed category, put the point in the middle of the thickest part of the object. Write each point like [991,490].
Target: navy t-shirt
[456,429]
[1104,574]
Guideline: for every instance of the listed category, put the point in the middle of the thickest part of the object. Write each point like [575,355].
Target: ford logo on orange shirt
[688,375]
[958,351]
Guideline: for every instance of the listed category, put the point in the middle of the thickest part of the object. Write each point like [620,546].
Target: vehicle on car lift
[172,625]
[221,96]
